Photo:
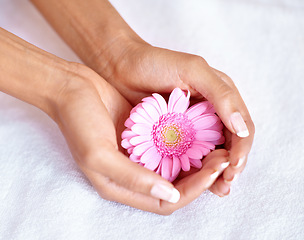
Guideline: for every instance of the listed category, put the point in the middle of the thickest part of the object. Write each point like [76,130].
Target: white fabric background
[260,44]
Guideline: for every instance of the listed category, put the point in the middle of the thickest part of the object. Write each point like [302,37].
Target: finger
[220,187]
[190,188]
[215,153]
[231,173]
[240,147]
[120,169]
[225,99]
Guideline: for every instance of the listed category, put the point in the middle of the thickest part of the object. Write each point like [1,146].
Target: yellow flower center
[171,136]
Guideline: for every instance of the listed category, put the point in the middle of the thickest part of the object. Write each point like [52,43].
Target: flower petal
[176,167]
[218,126]
[208,135]
[166,170]
[128,134]
[153,101]
[126,144]
[134,158]
[130,150]
[174,96]
[204,144]
[203,149]
[150,155]
[219,141]
[151,110]
[129,123]
[152,165]
[198,109]
[145,115]
[185,162]
[158,169]
[141,148]
[161,102]
[197,163]
[194,153]
[137,118]
[205,121]
[181,104]
[139,139]
[142,129]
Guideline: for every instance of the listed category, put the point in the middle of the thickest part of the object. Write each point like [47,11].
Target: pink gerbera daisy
[167,138]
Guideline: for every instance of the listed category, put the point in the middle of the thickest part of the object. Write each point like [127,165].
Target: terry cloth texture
[259,44]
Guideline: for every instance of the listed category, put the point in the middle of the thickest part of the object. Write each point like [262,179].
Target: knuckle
[226,93]
[198,61]
[130,182]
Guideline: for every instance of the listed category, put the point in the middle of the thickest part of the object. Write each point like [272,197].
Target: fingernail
[240,162]
[239,125]
[225,165]
[166,193]
[235,177]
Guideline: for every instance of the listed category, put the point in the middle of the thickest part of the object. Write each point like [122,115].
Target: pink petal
[204,144]
[197,163]
[181,104]
[218,126]
[130,150]
[176,167]
[150,155]
[205,151]
[140,149]
[194,152]
[145,115]
[207,135]
[152,165]
[166,169]
[137,118]
[139,139]
[158,169]
[197,109]
[219,141]
[161,102]
[129,123]
[128,134]
[174,96]
[151,110]
[135,108]
[185,162]
[153,101]
[142,129]
[126,144]
[134,158]
[202,149]
[204,122]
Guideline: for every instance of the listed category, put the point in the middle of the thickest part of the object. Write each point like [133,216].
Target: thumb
[116,166]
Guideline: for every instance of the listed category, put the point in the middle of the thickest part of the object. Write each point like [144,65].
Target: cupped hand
[90,114]
[142,69]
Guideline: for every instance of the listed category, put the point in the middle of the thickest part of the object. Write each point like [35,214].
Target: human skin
[90,114]
[105,42]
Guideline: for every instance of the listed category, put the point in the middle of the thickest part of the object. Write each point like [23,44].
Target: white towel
[260,44]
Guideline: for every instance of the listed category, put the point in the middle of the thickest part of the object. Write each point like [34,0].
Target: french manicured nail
[225,165]
[166,193]
[239,125]
[215,175]
[240,162]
